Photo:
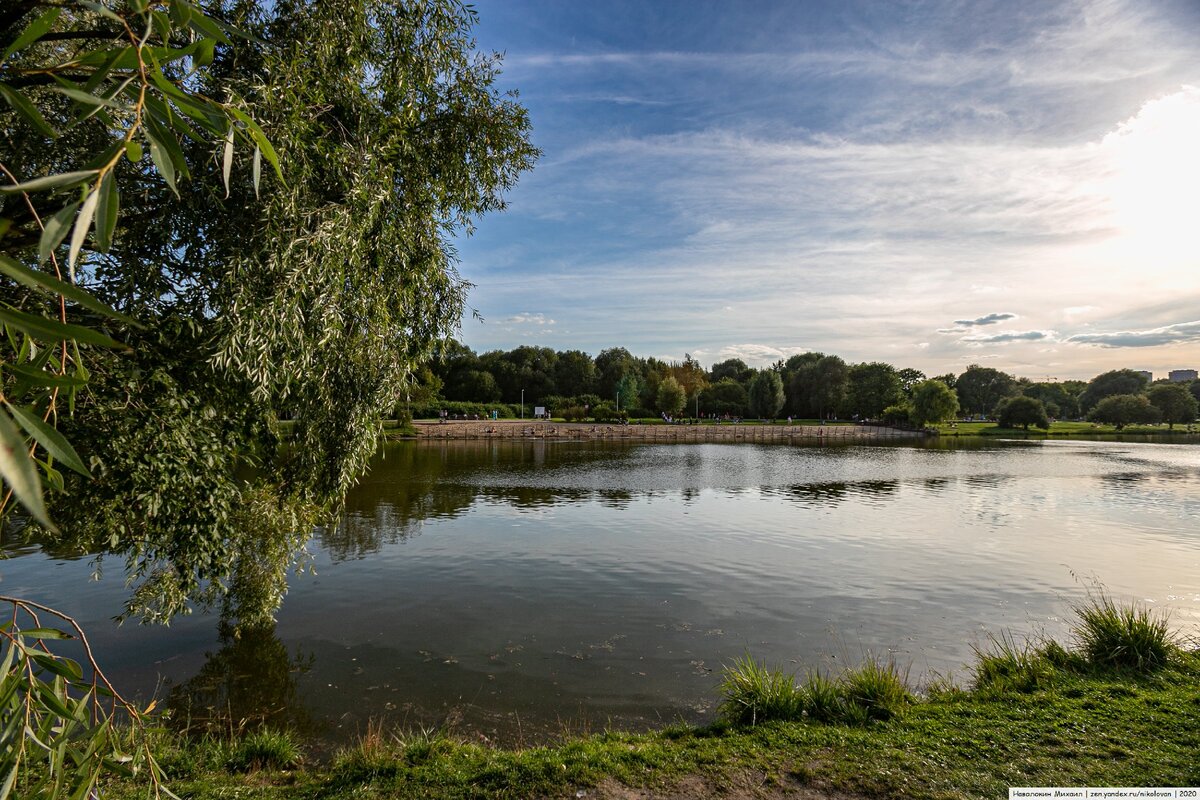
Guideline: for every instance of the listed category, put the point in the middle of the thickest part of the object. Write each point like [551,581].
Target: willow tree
[311,293]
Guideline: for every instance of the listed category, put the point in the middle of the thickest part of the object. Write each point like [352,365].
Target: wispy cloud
[1007,336]
[986,319]
[1178,333]
[525,318]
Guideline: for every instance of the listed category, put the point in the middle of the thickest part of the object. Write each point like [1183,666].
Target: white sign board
[539,411]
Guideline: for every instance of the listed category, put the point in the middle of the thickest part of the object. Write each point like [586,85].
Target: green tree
[613,364]
[1174,403]
[732,368]
[726,396]
[766,394]
[1023,411]
[317,298]
[1056,395]
[1107,384]
[670,398]
[980,389]
[628,391]
[871,388]
[575,373]
[1124,409]
[932,402]
[909,378]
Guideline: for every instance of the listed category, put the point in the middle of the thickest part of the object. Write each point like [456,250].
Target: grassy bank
[1120,706]
[1058,429]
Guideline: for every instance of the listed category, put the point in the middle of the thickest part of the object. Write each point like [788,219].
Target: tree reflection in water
[249,683]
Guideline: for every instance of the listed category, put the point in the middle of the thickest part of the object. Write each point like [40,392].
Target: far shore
[661,432]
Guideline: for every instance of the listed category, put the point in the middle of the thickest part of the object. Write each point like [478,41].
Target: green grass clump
[875,691]
[1123,636]
[265,749]
[753,693]
[1009,666]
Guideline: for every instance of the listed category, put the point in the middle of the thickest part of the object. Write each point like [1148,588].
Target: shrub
[752,693]
[896,414]
[1123,637]
[573,413]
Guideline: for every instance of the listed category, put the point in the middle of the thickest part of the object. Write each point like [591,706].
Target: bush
[573,413]
[1123,637]
[607,412]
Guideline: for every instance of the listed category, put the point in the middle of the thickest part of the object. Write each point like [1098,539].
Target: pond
[518,590]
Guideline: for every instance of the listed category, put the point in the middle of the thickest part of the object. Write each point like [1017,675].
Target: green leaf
[33,31]
[36,279]
[86,98]
[50,330]
[260,138]
[37,377]
[82,225]
[207,28]
[45,633]
[162,161]
[133,150]
[45,434]
[55,230]
[28,110]
[62,180]
[16,467]
[106,212]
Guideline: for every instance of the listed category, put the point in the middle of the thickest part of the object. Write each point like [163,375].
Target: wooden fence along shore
[536,429]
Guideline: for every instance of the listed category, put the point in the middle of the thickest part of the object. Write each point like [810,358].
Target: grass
[1057,429]
[1037,714]
[1123,636]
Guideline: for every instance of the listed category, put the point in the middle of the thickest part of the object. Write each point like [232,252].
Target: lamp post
[522,404]
[618,399]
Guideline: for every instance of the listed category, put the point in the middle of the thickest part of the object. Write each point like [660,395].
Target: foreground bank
[1121,707]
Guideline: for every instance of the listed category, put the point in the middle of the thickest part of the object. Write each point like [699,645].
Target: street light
[618,399]
[522,404]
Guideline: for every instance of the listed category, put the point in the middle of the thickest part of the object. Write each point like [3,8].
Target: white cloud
[525,318]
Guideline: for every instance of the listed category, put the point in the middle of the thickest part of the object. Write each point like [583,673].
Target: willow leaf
[50,330]
[16,467]
[36,279]
[45,434]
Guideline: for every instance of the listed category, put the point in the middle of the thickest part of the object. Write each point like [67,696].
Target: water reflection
[249,682]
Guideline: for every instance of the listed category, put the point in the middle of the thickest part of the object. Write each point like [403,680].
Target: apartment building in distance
[1180,375]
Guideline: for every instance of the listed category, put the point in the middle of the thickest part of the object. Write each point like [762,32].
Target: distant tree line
[617,384]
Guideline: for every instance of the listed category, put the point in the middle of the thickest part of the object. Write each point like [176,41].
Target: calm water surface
[516,589]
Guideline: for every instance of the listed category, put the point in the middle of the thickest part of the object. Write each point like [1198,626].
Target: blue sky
[1015,184]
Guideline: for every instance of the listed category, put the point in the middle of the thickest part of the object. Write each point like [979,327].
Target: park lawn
[1056,429]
